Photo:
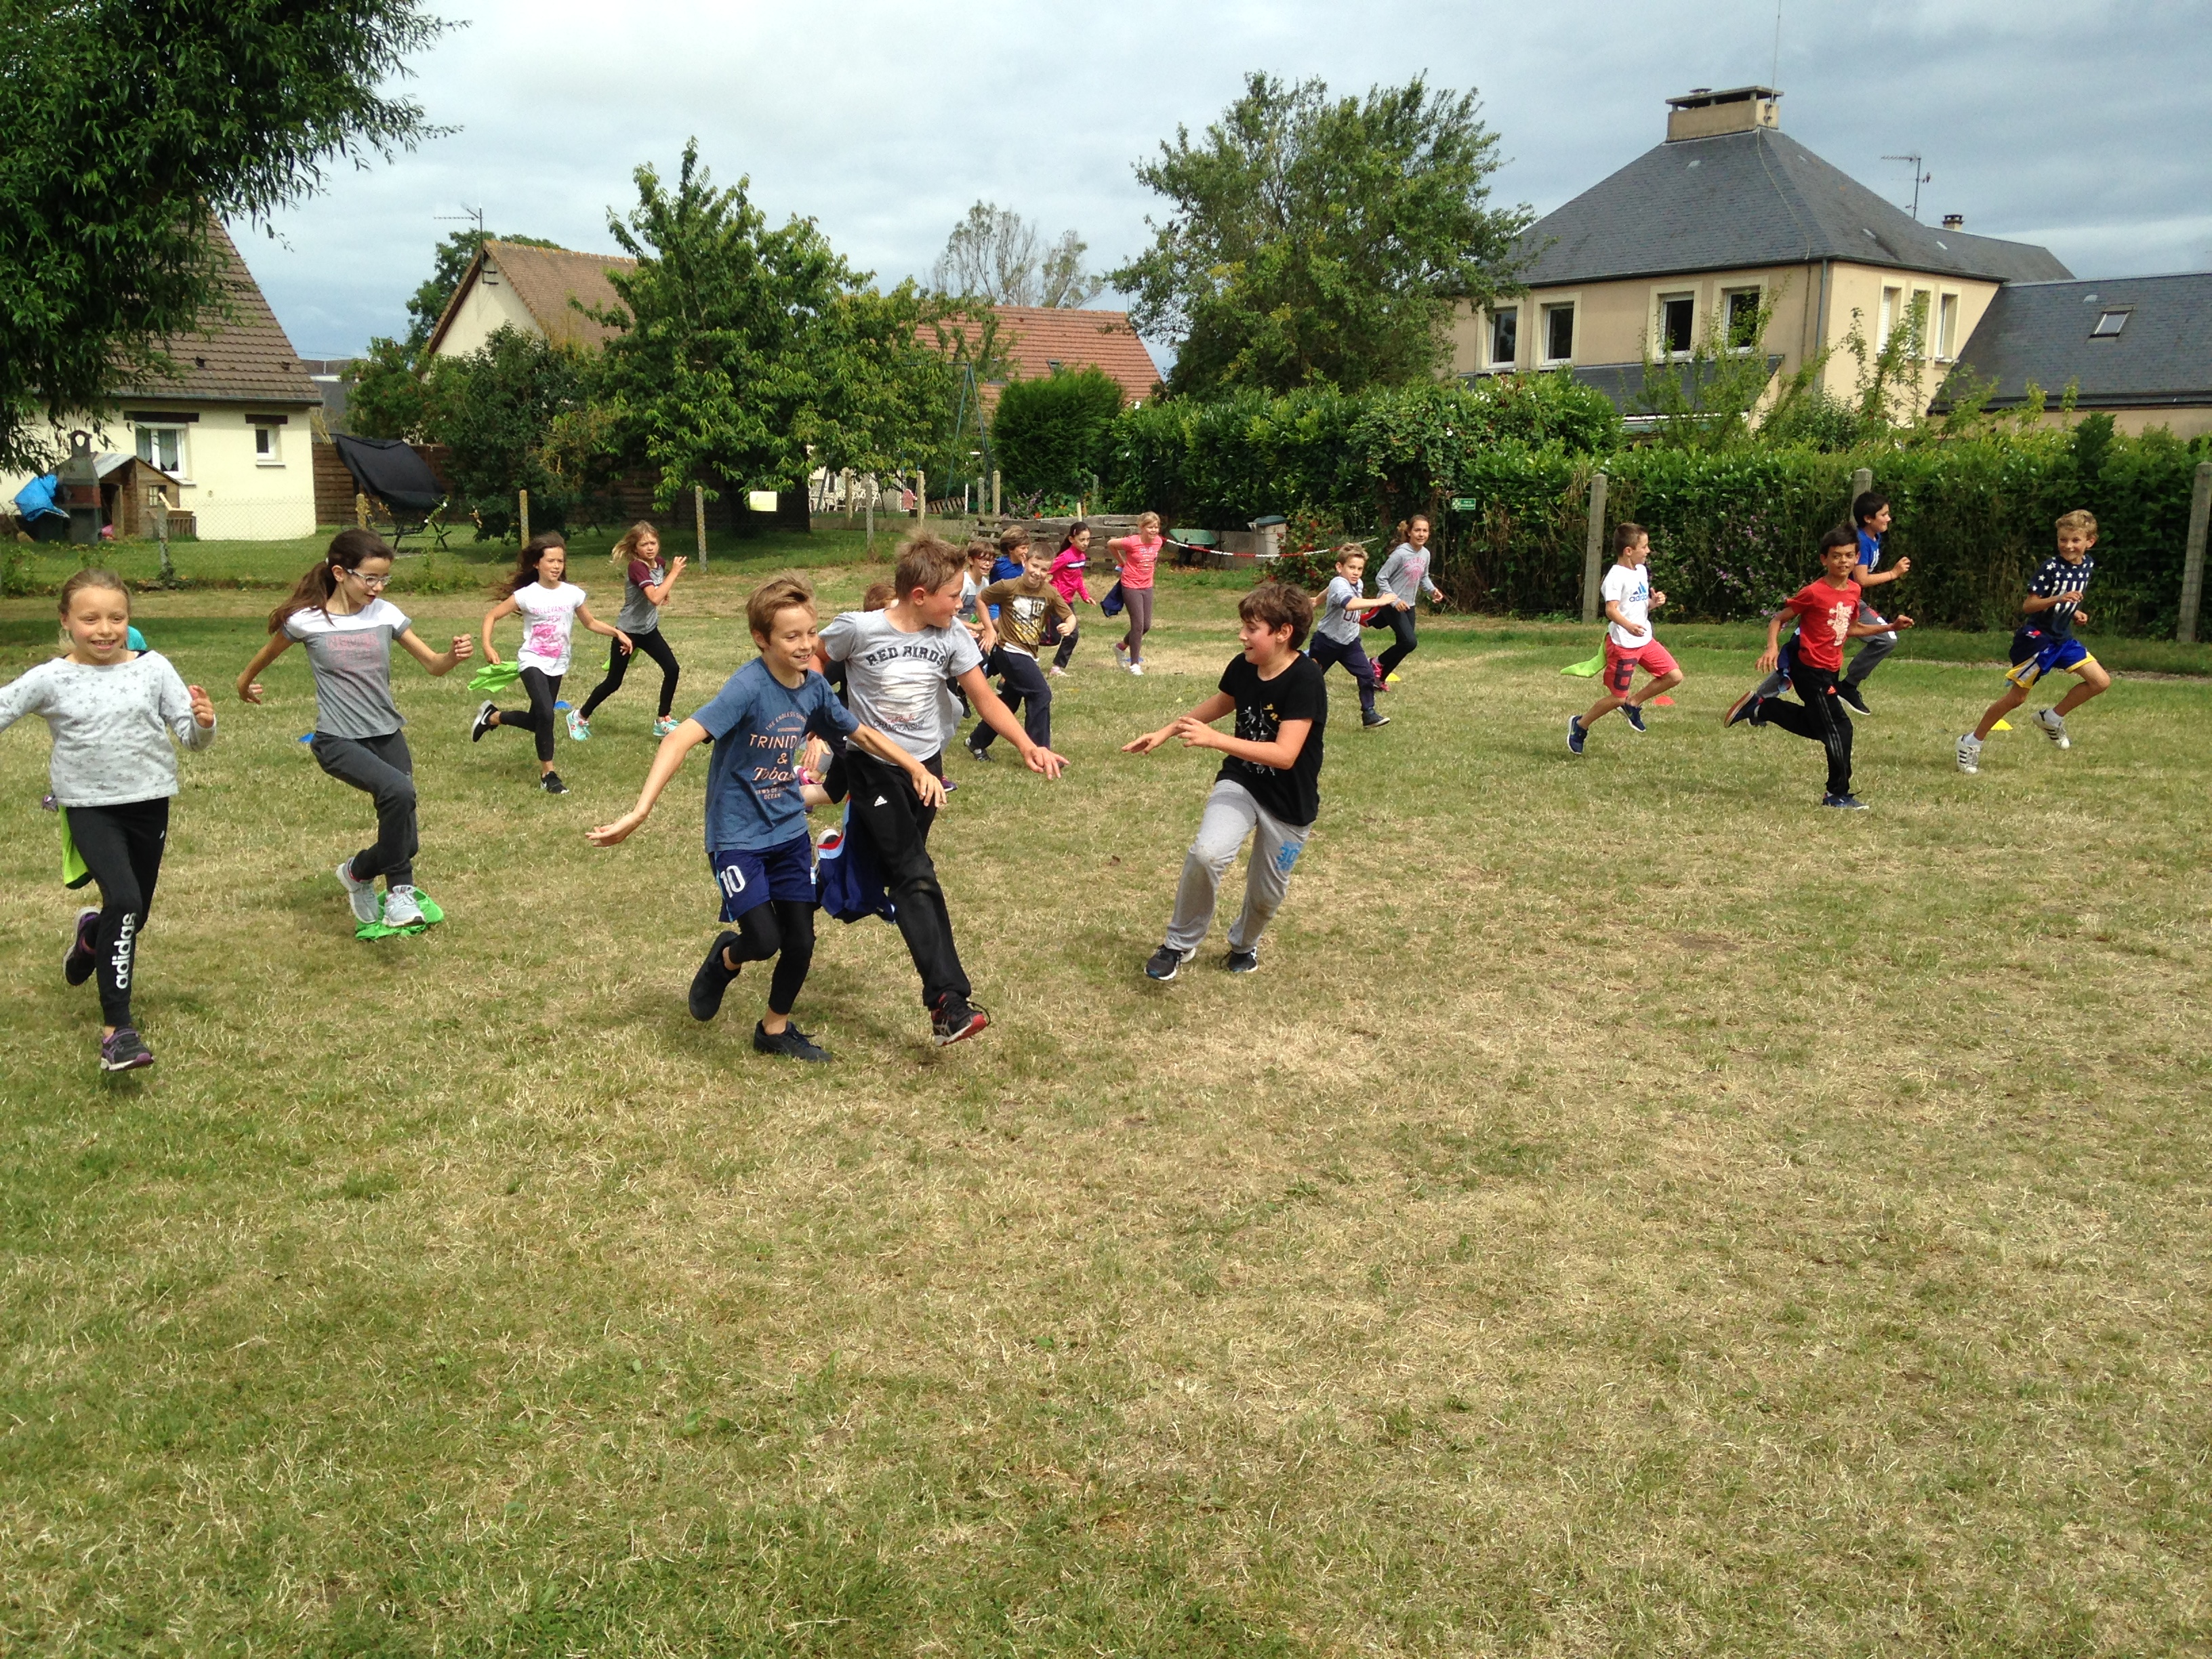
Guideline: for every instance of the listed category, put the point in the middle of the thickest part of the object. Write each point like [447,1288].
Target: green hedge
[1732,531]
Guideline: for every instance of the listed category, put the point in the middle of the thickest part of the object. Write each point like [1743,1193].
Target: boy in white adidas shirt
[1630,643]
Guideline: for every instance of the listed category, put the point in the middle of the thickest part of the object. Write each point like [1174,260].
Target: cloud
[2083,127]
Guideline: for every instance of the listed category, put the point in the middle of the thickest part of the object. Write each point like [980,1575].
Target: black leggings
[1822,717]
[122,847]
[1069,639]
[383,767]
[545,690]
[1401,624]
[618,662]
[886,809]
[783,929]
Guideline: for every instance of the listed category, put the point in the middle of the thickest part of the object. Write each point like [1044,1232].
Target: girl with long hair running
[647,584]
[1402,579]
[549,607]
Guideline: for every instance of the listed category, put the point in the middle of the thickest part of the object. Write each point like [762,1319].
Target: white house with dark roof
[231,430]
[2138,348]
[1685,243]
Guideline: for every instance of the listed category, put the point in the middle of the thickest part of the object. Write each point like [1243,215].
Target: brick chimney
[1701,113]
[1955,221]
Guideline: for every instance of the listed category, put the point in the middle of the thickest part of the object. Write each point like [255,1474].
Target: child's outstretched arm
[1877,578]
[667,761]
[506,607]
[1206,714]
[1868,631]
[1282,753]
[1770,659]
[439,662]
[584,615]
[995,715]
[249,690]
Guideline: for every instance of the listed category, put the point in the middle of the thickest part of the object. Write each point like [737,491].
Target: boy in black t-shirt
[1268,786]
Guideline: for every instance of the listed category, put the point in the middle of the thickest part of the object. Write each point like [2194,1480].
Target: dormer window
[2109,324]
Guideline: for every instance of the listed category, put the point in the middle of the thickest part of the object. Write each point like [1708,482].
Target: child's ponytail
[316,584]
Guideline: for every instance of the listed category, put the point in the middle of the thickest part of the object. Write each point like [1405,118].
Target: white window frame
[1660,300]
[274,455]
[1892,313]
[1569,303]
[1495,315]
[1757,292]
[149,453]
[1950,305]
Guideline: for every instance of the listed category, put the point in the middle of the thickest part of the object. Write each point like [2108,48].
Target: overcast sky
[2081,126]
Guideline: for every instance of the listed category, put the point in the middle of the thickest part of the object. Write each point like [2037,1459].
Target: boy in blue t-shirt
[1871,519]
[2045,643]
[756,840]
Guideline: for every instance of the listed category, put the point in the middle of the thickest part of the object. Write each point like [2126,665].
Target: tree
[1051,435]
[127,129]
[495,411]
[994,255]
[748,355]
[1323,241]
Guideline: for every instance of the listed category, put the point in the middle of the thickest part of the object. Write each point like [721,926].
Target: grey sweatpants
[1872,649]
[1232,814]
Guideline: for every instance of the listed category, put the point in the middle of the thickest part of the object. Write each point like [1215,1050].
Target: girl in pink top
[1139,554]
[1067,568]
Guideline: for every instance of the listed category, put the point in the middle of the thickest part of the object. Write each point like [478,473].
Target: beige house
[230,431]
[510,285]
[1683,247]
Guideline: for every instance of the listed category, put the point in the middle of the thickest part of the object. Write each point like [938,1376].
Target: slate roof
[247,360]
[1744,199]
[1036,337]
[2040,332]
[545,279]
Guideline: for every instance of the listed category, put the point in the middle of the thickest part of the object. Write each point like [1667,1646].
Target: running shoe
[1164,963]
[1057,672]
[955,1020]
[790,1042]
[1138,669]
[712,978]
[1244,962]
[664,725]
[362,895]
[1634,715]
[1369,722]
[77,962]
[579,729]
[980,754]
[1749,706]
[1844,803]
[1120,654]
[551,784]
[1849,693]
[2054,726]
[403,907]
[1970,753]
[125,1051]
[483,720]
[1576,736]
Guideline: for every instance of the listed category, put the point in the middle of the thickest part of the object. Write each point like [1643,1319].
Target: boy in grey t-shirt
[1336,636]
[896,661]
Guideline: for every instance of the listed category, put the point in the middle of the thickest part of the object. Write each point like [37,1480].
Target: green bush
[1049,435]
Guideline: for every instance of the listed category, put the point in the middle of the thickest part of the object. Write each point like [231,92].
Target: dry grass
[1629,1211]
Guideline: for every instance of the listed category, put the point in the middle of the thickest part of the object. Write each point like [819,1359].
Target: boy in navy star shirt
[2045,643]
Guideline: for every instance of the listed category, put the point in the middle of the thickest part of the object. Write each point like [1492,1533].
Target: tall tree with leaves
[126,128]
[1315,240]
[996,256]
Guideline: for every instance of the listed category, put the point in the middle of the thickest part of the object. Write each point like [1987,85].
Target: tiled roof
[545,279]
[2041,331]
[1034,337]
[246,361]
[1746,199]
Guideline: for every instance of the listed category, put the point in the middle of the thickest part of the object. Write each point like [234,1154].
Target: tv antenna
[467,215]
[1774,77]
[1918,180]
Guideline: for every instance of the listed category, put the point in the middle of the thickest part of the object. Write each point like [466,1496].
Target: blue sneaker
[1748,707]
[1634,715]
[1576,736]
[1844,803]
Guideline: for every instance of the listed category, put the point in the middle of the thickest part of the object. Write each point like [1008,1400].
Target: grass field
[1630,1211]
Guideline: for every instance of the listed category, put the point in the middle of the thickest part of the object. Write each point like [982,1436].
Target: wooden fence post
[699,520]
[361,510]
[1594,548]
[872,515]
[845,489]
[920,500]
[2192,562]
[994,493]
[1862,481]
[524,496]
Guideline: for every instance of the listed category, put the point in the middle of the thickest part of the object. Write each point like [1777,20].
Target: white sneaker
[2054,726]
[1120,654]
[362,895]
[1138,669]
[1970,753]
[1058,672]
[663,726]
[403,907]
[579,730]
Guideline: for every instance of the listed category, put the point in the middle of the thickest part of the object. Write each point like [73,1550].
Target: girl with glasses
[340,613]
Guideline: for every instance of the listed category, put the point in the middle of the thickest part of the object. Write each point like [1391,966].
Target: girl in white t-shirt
[549,607]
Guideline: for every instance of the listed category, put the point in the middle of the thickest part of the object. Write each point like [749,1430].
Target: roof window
[2109,324]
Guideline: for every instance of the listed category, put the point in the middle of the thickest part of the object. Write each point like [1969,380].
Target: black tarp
[390,470]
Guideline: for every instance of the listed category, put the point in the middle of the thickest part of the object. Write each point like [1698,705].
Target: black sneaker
[980,754]
[1846,802]
[1576,736]
[1849,693]
[77,962]
[1369,722]
[953,1020]
[123,1052]
[551,784]
[790,1042]
[483,720]
[1244,962]
[1162,963]
[1748,707]
[1634,716]
[713,979]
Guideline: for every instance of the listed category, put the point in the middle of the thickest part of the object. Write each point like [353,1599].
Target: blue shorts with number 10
[2035,654]
[749,876]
